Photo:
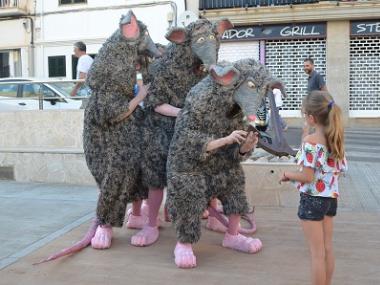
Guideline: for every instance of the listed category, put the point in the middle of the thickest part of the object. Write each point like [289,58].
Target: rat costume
[193,49]
[212,110]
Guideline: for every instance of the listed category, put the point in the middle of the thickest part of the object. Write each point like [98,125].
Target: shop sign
[283,31]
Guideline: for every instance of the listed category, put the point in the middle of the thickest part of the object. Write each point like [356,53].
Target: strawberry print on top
[326,170]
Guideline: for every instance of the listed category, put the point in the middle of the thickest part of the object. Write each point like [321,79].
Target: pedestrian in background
[84,63]
[315,81]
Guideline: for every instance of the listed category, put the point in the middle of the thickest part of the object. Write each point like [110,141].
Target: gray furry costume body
[173,76]
[113,146]
[194,175]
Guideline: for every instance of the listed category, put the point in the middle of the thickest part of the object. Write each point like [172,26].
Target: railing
[222,4]
[48,94]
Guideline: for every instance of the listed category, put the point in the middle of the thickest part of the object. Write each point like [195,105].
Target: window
[57,66]
[4,64]
[64,88]
[35,89]
[49,94]
[10,63]
[65,2]
[31,90]
[8,90]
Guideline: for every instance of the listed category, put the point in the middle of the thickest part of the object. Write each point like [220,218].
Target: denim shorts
[314,208]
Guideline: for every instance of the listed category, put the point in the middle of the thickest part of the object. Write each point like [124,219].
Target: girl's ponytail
[334,131]
[321,105]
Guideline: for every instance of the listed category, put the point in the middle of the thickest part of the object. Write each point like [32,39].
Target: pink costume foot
[184,256]
[241,243]
[136,222]
[213,224]
[102,238]
[147,236]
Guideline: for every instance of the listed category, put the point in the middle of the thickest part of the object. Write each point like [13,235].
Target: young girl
[322,160]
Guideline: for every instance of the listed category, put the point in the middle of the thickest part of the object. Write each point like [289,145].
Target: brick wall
[232,51]
[285,60]
[365,73]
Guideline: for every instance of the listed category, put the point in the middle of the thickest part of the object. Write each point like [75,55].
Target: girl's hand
[284,177]
[236,137]
[250,143]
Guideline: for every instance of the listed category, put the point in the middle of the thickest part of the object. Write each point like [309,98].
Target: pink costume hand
[250,142]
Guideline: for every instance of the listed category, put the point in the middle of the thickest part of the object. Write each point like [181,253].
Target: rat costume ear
[223,25]
[225,76]
[129,26]
[176,35]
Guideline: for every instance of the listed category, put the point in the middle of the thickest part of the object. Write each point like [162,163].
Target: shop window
[285,61]
[364,74]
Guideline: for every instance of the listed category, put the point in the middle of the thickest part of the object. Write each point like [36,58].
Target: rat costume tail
[78,246]
[249,218]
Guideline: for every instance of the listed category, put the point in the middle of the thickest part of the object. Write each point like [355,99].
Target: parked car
[23,94]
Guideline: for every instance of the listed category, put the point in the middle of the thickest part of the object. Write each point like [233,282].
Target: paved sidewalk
[35,214]
[284,259]
[39,219]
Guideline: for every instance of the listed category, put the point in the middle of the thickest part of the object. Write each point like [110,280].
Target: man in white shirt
[84,63]
[278,100]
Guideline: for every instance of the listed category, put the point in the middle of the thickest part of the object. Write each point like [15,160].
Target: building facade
[343,38]
[37,36]
[16,40]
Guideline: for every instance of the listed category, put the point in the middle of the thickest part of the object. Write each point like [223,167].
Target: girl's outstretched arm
[304,176]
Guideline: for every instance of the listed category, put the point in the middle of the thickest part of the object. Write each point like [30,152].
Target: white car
[23,94]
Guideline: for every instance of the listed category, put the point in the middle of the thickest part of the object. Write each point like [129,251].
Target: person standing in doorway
[84,63]
[315,81]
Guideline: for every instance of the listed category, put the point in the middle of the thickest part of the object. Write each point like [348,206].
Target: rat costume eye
[211,37]
[200,40]
[250,84]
